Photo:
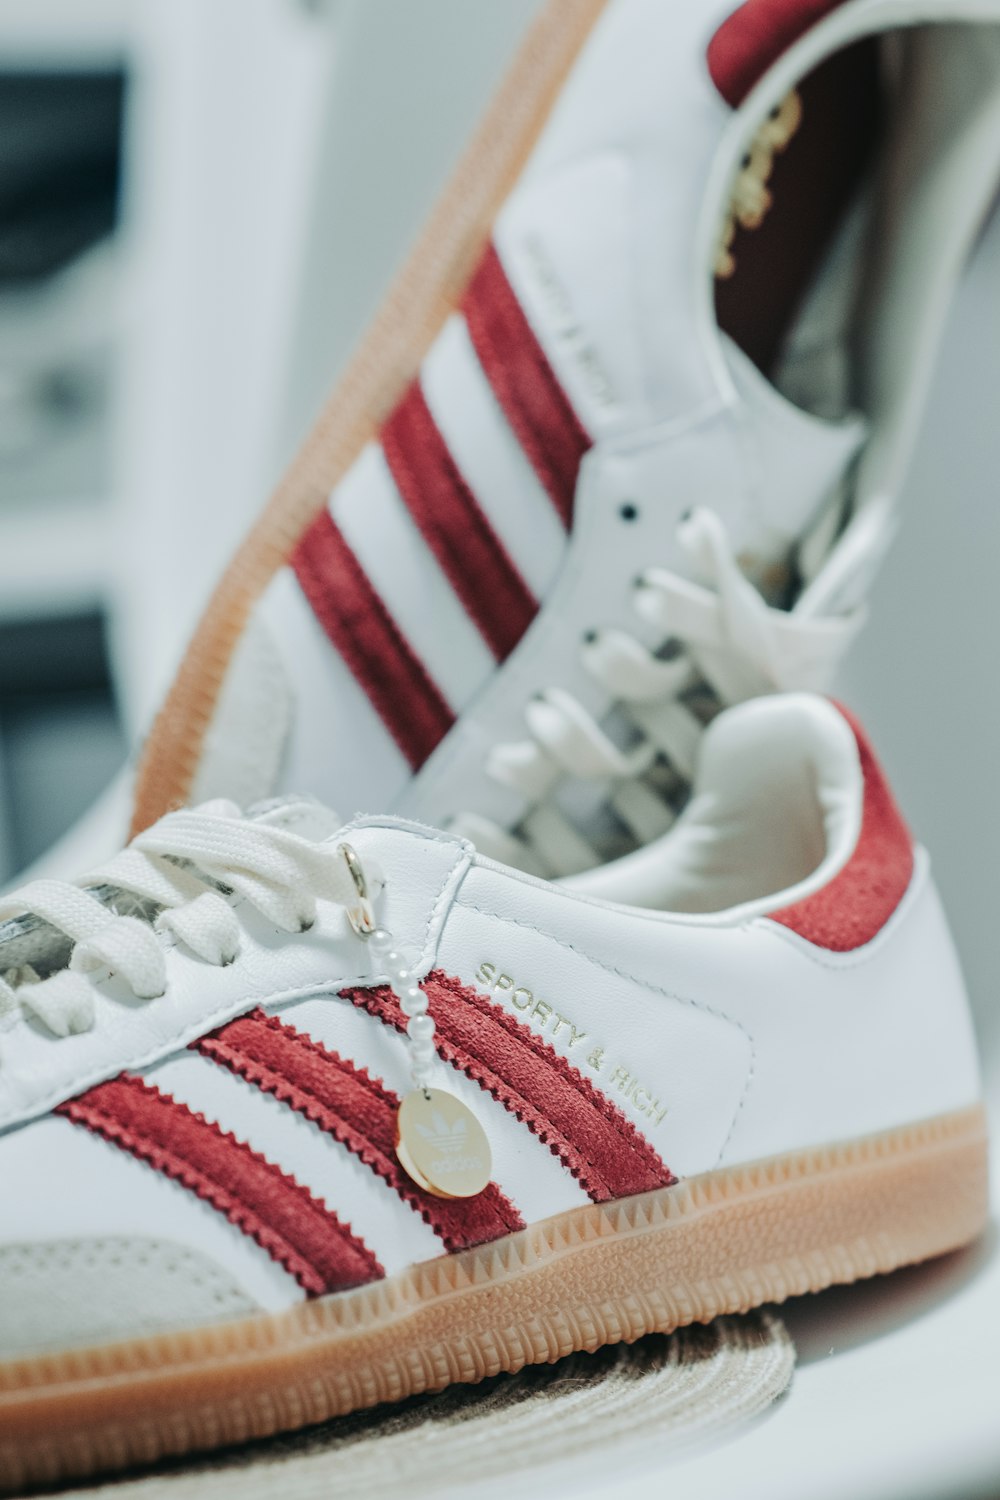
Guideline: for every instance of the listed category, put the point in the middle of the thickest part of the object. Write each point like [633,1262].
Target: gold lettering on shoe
[543,1017]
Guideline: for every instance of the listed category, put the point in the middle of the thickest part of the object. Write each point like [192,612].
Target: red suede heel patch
[858,902]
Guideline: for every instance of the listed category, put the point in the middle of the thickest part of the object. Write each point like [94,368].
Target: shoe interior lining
[813,183]
[936,187]
[839,295]
[775,812]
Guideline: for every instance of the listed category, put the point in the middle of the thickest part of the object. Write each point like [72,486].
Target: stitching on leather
[457,530]
[553,438]
[573,1157]
[629,1134]
[179,1260]
[306,1043]
[446,894]
[177,1167]
[656,989]
[167,1044]
[183,1035]
[377,653]
[514,677]
[264,1077]
[855,958]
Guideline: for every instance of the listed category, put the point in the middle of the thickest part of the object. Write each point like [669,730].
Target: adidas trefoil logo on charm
[442,1145]
[442,1135]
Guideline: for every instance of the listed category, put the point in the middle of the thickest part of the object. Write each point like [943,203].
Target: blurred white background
[273,159]
[276,158]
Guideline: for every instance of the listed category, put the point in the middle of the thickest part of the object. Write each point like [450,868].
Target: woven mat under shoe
[698,1385]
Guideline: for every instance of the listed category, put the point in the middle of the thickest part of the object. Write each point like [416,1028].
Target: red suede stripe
[272,1208]
[858,902]
[754,37]
[359,625]
[601,1148]
[475,560]
[358,1111]
[525,383]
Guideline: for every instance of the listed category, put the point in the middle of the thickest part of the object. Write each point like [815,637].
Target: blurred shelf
[55,557]
[56,411]
[57,359]
[77,33]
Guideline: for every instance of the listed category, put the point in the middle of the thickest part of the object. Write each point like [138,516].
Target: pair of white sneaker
[613,1021]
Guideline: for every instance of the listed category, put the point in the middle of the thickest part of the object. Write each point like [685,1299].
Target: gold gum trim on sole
[719,1243]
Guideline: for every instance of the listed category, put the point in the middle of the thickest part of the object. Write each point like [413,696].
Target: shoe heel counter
[945,1019]
[885,1040]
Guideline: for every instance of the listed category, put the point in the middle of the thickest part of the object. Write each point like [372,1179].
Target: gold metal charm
[361,913]
[441,1144]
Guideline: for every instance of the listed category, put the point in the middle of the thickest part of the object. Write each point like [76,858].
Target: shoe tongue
[305,816]
[802,460]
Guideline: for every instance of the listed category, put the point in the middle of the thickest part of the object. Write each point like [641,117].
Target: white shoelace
[734,642]
[178,875]
[175,869]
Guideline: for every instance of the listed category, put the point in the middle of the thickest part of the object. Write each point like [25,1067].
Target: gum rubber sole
[723,1242]
[425,292]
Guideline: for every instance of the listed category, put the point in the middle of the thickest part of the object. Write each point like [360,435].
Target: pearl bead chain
[412,1002]
[425,1112]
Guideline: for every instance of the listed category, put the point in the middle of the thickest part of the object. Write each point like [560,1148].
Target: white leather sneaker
[663,345]
[297,1119]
